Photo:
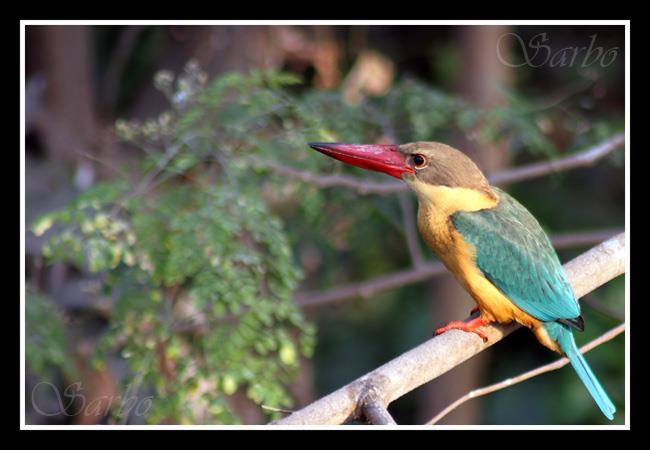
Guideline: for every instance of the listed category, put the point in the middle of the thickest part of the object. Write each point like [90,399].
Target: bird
[492,244]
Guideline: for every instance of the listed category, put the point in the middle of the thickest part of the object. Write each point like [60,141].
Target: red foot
[470,326]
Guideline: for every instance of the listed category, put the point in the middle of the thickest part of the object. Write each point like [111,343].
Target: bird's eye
[419,161]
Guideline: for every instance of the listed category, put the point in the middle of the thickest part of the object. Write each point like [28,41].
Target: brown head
[439,174]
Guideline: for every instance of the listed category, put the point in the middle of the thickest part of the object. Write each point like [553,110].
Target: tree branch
[410,229]
[424,272]
[364,186]
[582,159]
[446,351]
[611,334]
[373,409]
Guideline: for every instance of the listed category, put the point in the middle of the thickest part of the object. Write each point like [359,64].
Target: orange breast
[459,257]
[436,205]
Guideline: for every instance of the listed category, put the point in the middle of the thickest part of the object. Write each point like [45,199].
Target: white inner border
[23,23]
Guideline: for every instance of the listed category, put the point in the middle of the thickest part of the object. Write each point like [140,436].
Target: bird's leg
[471,325]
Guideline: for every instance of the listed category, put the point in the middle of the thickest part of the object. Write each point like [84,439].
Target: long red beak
[380,157]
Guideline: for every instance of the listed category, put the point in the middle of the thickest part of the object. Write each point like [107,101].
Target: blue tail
[563,335]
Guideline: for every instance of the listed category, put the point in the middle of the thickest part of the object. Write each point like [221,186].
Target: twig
[569,91]
[171,152]
[103,162]
[364,186]
[410,229]
[274,409]
[424,272]
[446,351]
[147,182]
[375,412]
[611,334]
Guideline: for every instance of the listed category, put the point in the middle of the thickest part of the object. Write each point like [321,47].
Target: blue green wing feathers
[514,253]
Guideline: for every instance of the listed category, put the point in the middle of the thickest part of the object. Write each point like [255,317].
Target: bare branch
[365,186]
[375,412]
[611,334]
[446,351]
[104,163]
[148,181]
[582,159]
[424,272]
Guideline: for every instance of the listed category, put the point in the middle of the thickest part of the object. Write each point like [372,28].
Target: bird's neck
[438,203]
[443,201]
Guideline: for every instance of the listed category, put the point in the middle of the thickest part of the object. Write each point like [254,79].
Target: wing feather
[514,253]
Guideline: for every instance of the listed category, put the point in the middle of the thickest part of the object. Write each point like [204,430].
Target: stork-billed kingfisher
[494,247]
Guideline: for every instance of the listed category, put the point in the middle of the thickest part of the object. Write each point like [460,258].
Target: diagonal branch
[611,334]
[364,186]
[446,351]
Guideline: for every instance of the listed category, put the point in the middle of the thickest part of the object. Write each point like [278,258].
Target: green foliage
[200,271]
[45,342]
[197,247]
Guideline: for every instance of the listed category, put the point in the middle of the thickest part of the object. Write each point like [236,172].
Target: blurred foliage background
[178,225]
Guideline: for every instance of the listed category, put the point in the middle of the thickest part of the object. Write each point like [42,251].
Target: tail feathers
[563,335]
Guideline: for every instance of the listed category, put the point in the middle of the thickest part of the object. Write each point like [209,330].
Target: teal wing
[514,253]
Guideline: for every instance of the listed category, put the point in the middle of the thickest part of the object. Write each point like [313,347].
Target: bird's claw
[471,326]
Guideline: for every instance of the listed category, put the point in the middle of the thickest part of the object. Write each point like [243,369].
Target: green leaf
[42,224]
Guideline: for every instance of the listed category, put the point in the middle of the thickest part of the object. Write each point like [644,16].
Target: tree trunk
[69,124]
[61,106]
